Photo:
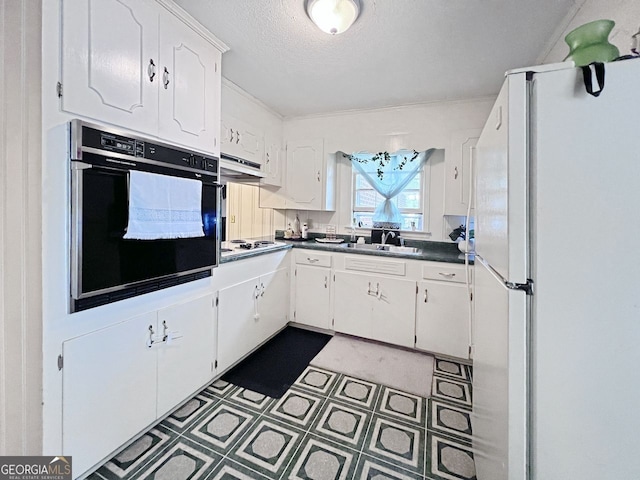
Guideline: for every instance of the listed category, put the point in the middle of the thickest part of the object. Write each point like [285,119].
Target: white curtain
[396,175]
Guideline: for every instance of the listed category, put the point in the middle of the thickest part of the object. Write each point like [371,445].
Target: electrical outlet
[233,219]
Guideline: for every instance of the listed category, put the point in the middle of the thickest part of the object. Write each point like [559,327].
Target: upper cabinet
[272,162]
[459,171]
[133,64]
[242,140]
[310,178]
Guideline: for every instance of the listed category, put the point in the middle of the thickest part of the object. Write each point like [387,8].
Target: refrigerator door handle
[525,287]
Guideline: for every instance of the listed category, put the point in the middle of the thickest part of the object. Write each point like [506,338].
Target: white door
[459,174]
[312,302]
[271,164]
[352,303]
[304,172]
[442,318]
[238,319]
[250,143]
[189,95]
[109,389]
[273,304]
[110,65]
[186,359]
[393,312]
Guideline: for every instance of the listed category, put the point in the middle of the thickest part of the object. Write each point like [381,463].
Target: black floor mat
[273,368]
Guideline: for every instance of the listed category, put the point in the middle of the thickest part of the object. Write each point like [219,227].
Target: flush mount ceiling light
[333,16]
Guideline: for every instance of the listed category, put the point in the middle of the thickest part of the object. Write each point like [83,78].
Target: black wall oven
[105,267]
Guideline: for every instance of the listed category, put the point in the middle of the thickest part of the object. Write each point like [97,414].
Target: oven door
[105,265]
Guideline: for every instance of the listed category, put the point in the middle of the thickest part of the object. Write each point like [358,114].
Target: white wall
[626,14]
[416,126]
[20,220]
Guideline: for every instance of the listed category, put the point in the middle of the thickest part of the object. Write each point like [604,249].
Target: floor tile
[451,390]
[222,427]
[450,368]
[372,468]
[229,470]
[359,393]
[219,388]
[320,459]
[182,418]
[342,423]
[134,457]
[185,460]
[297,407]
[449,420]
[249,399]
[402,406]
[448,460]
[396,442]
[268,447]
[317,380]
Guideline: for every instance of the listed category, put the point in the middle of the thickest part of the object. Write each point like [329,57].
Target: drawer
[447,272]
[309,257]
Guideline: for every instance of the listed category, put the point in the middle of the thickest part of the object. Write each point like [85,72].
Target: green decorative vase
[589,43]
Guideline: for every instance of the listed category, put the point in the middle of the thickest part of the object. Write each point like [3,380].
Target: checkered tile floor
[327,426]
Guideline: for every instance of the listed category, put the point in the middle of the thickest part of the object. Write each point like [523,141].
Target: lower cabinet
[250,312]
[118,380]
[312,288]
[442,318]
[379,308]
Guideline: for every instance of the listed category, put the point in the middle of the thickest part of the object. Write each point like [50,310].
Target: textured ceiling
[397,52]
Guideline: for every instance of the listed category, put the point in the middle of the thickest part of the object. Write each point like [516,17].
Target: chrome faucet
[385,236]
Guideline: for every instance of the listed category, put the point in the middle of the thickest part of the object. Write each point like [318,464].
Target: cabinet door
[393,312]
[237,320]
[110,66]
[271,164]
[273,305]
[442,323]
[305,173]
[250,142]
[189,77]
[352,303]
[312,302]
[186,359]
[459,174]
[109,389]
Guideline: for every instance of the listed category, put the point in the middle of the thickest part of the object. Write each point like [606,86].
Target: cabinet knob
[237,137]
[318,175]
[151,70]
[325,281]
[455,173]
[426,295]
[165,78]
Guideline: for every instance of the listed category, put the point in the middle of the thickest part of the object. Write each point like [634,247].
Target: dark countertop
[429,251]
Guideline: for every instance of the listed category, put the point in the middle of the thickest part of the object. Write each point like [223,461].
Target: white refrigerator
[556,338]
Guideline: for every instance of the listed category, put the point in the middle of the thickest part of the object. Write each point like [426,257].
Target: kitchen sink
[382,248]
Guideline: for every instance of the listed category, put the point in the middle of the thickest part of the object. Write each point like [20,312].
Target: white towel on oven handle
[162,206]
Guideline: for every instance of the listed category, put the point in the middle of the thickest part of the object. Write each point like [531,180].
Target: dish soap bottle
[296,227]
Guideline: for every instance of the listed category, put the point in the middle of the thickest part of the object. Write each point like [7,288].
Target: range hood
[239,170]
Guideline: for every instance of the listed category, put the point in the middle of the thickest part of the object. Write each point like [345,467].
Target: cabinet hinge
[217,300]
[212,367]
[334,277]
[216,364]
[295,272]
[59,89]
[60,362]
[416,288]
[471,296]
[415,339]
[294,314]
[333,322]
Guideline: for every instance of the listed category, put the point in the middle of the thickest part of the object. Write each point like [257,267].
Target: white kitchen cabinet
[189,82]
[242,140]
[186,360]
[312,287]
[135,65]
[309,179]
[249,313]
[272,163]
[459,172]
[442,312]
[116,382]
[375,307]
[109,389]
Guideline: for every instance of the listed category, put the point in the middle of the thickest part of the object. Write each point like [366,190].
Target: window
[409,202]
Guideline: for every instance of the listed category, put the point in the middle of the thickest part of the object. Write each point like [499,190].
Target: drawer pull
[426,295]
[325,281]
[447,275]
[312,260]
